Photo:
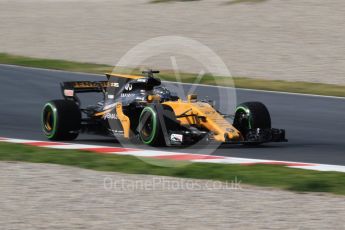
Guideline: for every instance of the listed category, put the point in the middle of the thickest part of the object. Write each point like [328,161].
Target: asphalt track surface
[315,125]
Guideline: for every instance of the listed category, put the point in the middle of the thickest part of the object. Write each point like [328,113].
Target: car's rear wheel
[251,116]
[61,120]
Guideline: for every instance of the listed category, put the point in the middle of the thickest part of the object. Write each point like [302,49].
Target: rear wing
[115,82]
[113,86]
[71,88]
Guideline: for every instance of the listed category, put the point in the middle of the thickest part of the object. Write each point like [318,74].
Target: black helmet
[164,93]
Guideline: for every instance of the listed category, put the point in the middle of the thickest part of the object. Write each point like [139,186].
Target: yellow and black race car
[139,107]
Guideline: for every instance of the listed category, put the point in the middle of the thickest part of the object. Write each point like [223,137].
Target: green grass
[239,82]
[261,175]
[54,64]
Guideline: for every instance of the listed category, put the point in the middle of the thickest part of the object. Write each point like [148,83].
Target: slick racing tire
[61,120]
[250,116]
[153,130]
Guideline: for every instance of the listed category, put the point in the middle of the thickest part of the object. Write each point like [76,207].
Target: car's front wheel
[251,116]
[155,123]
[150,128]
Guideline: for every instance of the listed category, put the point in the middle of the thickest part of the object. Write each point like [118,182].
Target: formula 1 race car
[139,107]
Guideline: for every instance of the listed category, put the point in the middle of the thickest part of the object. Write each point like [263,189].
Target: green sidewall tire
[49,133]
[257,117]
[65,121]
[152,137]
[157,136]
[245,110]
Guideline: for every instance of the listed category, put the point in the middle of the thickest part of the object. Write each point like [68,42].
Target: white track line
[19,141]
[231,160]
[322,167]
[148,153]
[74,146]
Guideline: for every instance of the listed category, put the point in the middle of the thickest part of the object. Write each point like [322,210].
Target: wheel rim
[243,120]
[49,120]
[148,125]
